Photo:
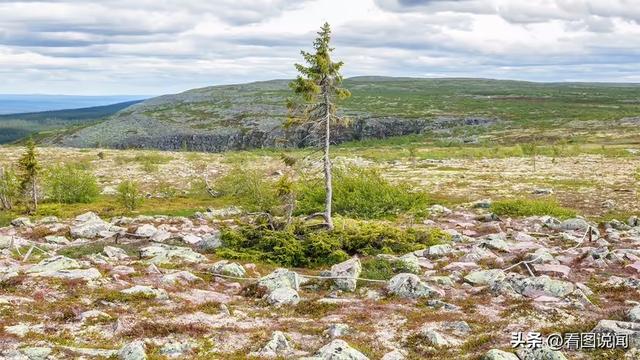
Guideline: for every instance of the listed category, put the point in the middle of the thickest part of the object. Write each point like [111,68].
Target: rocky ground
[153,287]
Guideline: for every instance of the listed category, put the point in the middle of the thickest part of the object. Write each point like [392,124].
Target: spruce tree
[317,89]
[29,168]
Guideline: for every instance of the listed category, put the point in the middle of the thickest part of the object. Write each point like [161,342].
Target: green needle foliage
[29,169]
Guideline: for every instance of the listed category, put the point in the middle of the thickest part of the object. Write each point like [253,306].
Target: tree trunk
[4,198]
[327,163]
[34,193]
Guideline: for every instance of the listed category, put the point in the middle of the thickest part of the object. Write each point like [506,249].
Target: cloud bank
[161,46]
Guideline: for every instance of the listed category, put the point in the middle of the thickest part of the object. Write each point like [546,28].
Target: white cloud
[161,46]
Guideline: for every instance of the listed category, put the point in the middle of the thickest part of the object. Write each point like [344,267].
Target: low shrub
[249,188]
[361,193]
[129,195]
[70,184]
[302,246]
[531,207]
[9,188]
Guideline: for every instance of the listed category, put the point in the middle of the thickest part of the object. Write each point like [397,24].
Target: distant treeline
[14,127]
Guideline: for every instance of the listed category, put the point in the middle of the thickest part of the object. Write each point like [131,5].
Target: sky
[108,47]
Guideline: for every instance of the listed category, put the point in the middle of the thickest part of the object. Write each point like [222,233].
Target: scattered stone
[338,350]
[224,267]
[348,271]
[632,329]
[88,225]
[337,330]
[133,351]
[180,277]
[634,314]
[53,264]
[277,346]
[542,286]
[485,277]
[191,239]
[146,230]
[161,254]
[550,269]
[22,222]
[542,353]
[496,242]
[58,240]
[147,291]
[280,278]
[437,251]
[36,352]
[210,242]
[410,286]
[283,296]
[71,274]
[394,355]
[176,349]
[542,191]
[495,354]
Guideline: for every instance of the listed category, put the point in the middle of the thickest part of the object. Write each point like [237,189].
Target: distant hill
[246,116]
[16,126]
[18,103]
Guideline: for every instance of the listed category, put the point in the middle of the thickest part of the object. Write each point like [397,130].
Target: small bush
[301,246]
[249,188]
[69,184]
[129,195]
[529,207]
[361,193]
[9,188]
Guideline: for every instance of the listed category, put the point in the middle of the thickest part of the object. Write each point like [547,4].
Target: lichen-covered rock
[485,277]
[160,254]
[338,350]
[410,286]
[283,296]
[631,329]
[542,286]
[71,274]
[436,251]
[134,350]
[224,267]
[53,264]
[58,240]
[495,354]
[347,273]
[159,294]
[146,230]
[280,278]
[88,225]
[543,353]
[180,277]
[278,345]
[210,242]
[634,314]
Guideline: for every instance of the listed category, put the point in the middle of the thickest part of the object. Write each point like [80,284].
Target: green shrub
[249,188]
[531,207]
[361,193]
[69,184]
[129,195]
[302,246]
[9,188]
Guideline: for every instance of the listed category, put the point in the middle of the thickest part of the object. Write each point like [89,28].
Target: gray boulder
[133,351]
[160,254]
[283,296]
[53,264]
[159,294]
[437,251]
[280,278]
[210,242]
[224,267]
[542,353]
[338,350]
[634,314]
[146,230]
[495,354]
[348,273]
[632,329]
[277,346]
[410,286]
[485,277]
[542,285]
[88,225]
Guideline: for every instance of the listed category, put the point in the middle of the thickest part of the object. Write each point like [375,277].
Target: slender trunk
[34,192]
[327,163]
[6,205]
